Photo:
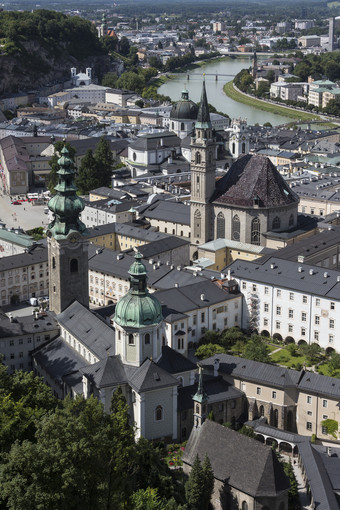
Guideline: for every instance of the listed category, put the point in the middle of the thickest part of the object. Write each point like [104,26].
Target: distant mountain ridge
[40,47]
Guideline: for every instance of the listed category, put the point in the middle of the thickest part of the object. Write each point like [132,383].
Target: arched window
[147,339]
[197,158]
[255,231]
[134,156]
[244,505]
[220,226]
[172,125]
[197,409]
[159,413]
[53,263]
[197,224]
[291,220]
[182,126]
[131,339]
[276,418]
[74,266]
[233,148]
[243,148]
[276,223]
[235,228]
[261,411]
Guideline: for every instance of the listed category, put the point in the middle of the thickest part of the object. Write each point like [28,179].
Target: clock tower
[67,246]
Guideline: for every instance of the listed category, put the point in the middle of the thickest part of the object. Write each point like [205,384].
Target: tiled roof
[174,362]
[253,177]
[242,462]
[149,376]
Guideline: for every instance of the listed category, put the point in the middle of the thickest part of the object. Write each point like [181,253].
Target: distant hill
[41,46]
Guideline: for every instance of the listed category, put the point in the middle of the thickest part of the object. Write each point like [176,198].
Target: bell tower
[203,172]
[67,246]
[200,401]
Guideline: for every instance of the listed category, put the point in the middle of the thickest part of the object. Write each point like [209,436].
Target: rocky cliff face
[37,66]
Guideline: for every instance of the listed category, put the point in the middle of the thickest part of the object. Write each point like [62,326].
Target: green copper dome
[138,308]
[65,204]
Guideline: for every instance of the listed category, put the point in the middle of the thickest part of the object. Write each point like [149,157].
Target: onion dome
[65,204]
[138,308]
[185,109]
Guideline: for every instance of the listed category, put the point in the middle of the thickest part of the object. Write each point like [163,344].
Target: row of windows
[291,295]
[303,315]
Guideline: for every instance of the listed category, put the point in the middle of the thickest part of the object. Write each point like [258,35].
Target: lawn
[283,357]
[234,94]
[324,370]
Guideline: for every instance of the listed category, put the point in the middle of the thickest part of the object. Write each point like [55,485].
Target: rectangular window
[266,290]
[202,317]
[303,316]
[309,413]
[324,403]
[317,302]
[290,328]
[309,425]
[332,305]
[243,386]
[278,310]
[265,322]
[244,285]
[304,299]
[278,292]
[324,430]
[273,394]
[266,307]
[316,335]
[331,323]
[291,314]
[11,342]
[254,287]
[325,417]
[258,390]
[330,339]
[303,331]
[278,325]
[194,320]
[291,296]
[309,399]
[317,319]
[21,341]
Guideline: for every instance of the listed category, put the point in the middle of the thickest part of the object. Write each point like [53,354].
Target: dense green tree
[334,363]
[131,81]
[110,80]
[256,350]
[147,499]
[58,146]
[293,495]
[155,62]
[124,46]
[207,350]
[200,485]
[104,162]
[208,482]
[333,107]
[87,172]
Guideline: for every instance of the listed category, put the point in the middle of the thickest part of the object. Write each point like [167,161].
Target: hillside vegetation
[41,46]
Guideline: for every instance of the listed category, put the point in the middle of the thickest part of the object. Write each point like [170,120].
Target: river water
[216,96]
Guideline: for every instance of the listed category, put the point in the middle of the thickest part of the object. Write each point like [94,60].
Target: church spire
[200,395]
[65,204]
[200,401]
[203,117]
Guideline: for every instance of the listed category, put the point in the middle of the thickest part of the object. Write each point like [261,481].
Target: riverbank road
[21,214]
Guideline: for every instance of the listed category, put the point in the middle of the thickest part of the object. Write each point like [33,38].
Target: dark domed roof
[185,109]
[254,179]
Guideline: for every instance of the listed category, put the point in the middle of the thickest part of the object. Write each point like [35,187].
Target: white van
[33,301]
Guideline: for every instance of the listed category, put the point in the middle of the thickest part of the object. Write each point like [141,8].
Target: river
[216,96]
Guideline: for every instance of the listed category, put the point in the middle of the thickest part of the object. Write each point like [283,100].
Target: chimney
[202,297]
[10,317]
[216,366]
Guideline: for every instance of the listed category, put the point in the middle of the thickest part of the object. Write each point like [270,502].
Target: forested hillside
[40,47]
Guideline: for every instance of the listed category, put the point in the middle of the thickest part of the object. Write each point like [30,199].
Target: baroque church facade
[248,202]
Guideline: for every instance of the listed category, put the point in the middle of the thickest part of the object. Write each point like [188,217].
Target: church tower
[138,319]
[203,174]
[67,246]
[239,138]
[200,401]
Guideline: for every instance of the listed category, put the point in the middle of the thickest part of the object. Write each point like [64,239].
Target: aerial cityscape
[169,255]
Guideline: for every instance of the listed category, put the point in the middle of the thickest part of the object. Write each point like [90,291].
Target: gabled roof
[251,178]
[174,362]
[107,372]
[150,377]
[243,462]
[88,329]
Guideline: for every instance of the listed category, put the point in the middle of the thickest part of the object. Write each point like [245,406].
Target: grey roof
[37,254]
[318,480]
[280,377]
[216,388]
[260,426]
[251,177]
[167,210]
[149,377]
[29,324]
[131,231]
[107,372]
[168,243]
[243,462]
[89,329]
[153,141]
[254,371]
[286,274]
[185,299]
[174,362]
[58,359]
